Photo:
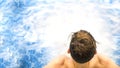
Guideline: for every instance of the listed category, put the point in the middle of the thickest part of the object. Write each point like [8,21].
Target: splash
[34,32]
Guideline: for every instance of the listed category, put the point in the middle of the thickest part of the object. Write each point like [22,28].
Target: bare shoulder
[57,62]
[107,62]
[68,63]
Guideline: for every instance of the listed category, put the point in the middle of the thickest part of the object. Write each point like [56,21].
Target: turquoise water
[34,32]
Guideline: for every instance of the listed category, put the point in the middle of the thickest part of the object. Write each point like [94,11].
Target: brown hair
[82,46]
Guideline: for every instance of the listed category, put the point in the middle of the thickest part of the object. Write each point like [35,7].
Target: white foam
[70,17]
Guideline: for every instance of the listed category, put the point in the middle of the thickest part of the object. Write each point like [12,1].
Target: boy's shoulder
[107,62]
[58,62]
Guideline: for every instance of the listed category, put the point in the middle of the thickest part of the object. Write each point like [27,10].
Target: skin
[98,61]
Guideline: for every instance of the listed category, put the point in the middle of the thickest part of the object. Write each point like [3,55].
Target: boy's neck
[87,64]
[84,65]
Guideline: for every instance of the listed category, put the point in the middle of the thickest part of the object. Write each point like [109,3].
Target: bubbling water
[34,32]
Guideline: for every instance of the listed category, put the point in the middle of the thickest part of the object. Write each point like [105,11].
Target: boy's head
[82,46]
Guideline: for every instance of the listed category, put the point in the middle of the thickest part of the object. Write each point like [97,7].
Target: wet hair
[82,46]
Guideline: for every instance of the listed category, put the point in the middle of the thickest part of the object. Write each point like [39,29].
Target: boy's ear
[96,52]
[68,51]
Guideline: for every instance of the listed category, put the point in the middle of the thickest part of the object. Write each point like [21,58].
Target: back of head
[82,46]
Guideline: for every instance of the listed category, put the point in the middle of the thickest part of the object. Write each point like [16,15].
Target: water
[34,32]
